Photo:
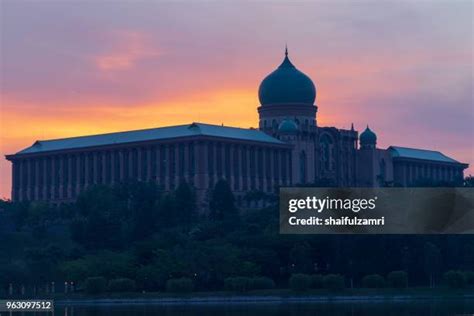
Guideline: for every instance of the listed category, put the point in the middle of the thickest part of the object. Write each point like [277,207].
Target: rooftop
[194,129]
[424,154]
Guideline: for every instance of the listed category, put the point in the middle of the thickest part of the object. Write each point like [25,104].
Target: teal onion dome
[287,85]
[288,126]
[368,137]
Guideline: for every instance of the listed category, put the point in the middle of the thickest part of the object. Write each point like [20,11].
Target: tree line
[136,233]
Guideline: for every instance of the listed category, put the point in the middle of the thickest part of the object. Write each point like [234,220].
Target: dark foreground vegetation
[135,238]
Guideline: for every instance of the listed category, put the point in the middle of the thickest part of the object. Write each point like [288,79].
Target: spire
[286,61]
[352,126]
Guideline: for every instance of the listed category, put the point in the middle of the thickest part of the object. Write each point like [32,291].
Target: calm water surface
[445,308]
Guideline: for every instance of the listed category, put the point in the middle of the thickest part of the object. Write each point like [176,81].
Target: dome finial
[286,61]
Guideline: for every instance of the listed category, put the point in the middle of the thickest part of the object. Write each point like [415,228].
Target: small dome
[368,137]
[288,126]
[287,85]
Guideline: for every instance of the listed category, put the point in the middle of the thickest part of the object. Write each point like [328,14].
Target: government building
[289,148]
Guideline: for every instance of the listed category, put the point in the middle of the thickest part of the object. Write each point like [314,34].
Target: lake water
[425,308]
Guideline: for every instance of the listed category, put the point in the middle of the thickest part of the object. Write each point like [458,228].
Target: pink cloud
[126,49]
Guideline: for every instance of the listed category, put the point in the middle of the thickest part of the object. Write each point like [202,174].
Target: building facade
[289,148]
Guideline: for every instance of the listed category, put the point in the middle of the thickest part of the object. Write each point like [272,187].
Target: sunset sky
[86,67]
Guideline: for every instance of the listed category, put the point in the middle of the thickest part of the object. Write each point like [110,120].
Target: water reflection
[429,308]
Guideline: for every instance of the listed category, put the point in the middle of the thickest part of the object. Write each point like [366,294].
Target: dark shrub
[334,282]
[95,285]
[317,281]
[237,284]
[469,277]
[181,285]
[261,283]
[122,285]
[373,281]
[151,277]
[455,279]
[300,282]
[398,279]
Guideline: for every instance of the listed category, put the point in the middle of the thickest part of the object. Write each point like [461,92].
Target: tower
[287,111]
[368,159]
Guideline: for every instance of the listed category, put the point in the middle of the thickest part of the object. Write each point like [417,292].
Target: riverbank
[268,296]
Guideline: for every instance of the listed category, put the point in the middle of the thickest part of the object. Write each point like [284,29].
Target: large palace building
[288,149]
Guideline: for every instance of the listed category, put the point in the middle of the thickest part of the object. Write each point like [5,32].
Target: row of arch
[327,158]
[274,123]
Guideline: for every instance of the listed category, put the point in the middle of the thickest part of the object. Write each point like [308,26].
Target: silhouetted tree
[185,203]
[167,211]
[143,198]
[469,181]
[432,262]
[99,222]
[222,203]
[300,258]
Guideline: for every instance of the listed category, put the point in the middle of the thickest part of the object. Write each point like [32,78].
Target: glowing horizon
[72,70]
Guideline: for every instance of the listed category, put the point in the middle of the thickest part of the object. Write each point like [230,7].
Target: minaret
[288,111]
[367,161]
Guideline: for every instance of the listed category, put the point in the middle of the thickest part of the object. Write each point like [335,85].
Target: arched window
[181,161]
[192,159]
[382,169]
[218,150]
[302,167]
[172,163]
[382,172]
[227,162]
[210,158]
[236,166]
[327,152]
[134,155]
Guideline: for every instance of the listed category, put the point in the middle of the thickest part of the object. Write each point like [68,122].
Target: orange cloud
[229,107]
[345,89]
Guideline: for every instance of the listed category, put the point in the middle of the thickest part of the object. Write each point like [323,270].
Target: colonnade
[63,175]
[410,172]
